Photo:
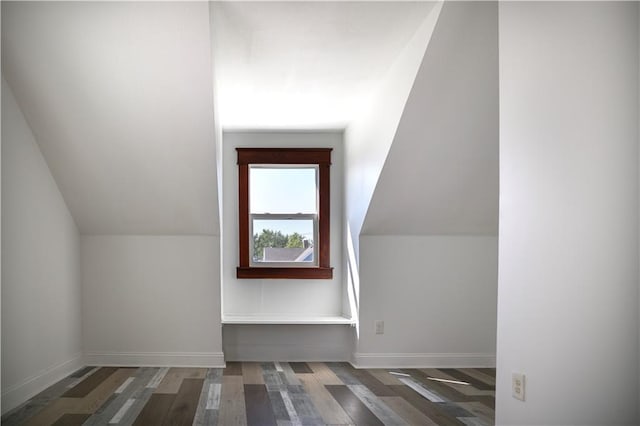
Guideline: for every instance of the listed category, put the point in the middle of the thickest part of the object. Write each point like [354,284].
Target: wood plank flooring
[261,394]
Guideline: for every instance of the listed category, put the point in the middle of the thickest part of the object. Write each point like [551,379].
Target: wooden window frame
[279,156]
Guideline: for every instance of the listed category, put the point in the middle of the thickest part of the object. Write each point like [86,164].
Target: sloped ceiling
[119,96]
[441,173]
[305,64]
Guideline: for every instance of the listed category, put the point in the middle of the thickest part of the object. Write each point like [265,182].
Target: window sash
[315,167]
[317,156]
[295,216]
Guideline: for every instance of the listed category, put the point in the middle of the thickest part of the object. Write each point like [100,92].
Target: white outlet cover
[379,327]
[518,386]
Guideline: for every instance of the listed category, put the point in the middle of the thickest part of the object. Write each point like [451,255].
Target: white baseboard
[18,394]
[156,359]
[417,360]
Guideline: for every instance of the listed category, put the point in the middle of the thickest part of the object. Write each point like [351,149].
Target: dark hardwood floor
[268,393]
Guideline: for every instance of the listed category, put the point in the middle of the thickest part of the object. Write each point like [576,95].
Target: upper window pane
[282,189]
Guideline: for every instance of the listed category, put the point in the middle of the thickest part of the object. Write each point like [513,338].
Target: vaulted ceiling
[440,176]
[307,64]
[120,95]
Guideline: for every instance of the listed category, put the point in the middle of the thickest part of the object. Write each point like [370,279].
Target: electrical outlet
[379,327]
[517,386]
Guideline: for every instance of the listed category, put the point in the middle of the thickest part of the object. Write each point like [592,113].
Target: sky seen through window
[279,190]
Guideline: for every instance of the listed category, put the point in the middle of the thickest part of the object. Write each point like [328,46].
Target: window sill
[285,273]
[285,319]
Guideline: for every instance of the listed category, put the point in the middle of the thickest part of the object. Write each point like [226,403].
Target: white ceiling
[120,99]
[305,64]
[119,95]
[441,174]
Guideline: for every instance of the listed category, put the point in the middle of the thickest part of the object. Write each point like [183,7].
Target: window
[284,213]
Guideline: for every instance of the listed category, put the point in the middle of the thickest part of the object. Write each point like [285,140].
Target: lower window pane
[283,241]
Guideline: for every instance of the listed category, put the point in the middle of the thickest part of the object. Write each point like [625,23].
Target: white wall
[369,137]
[0,240]
[568,244]
[151,300]
[274,296]
[437,297]
[428,246]
[41,337]
[282,297]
